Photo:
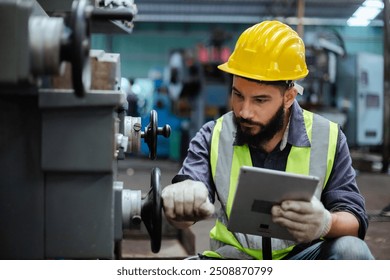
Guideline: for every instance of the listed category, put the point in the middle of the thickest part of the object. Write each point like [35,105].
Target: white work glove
[187,201]
[306,221]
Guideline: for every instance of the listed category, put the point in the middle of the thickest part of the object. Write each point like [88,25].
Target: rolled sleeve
[341,192]
[196,165]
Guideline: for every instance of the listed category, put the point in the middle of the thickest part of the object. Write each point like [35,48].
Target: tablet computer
[258,189]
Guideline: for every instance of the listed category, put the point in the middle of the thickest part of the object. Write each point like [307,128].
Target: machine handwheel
[151,212]
[151,132]
[80,48]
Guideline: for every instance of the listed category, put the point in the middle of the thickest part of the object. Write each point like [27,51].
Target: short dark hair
[282,85]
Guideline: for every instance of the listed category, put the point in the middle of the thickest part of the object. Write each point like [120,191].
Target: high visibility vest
[226,158]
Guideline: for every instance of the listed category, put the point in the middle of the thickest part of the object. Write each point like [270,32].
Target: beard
[266,133]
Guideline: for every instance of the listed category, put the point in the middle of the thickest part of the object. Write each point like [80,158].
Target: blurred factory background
[81,77]
[176,45]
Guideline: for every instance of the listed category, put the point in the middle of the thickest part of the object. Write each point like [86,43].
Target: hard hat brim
[225,67]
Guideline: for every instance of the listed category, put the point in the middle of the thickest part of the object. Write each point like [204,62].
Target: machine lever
[112,14]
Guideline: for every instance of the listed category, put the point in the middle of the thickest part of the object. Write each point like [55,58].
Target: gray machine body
[59,198]
[57,195]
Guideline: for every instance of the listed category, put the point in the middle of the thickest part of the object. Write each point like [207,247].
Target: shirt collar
[295,133]
[283,143]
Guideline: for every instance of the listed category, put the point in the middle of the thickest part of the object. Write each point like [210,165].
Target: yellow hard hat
[268,51]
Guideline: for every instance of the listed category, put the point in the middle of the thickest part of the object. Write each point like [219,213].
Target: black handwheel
[80,47]
[151,132]
[151,212]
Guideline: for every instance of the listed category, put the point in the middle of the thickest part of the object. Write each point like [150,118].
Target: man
[267,128]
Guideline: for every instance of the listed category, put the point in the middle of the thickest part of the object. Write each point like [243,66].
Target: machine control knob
[151,132]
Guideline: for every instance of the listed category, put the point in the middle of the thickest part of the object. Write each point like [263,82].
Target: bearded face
[266,131]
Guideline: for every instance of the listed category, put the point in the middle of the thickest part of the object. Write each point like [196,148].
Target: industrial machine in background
[345,88]
[360,96]
[324,49]
[62,135]
[185,79]
[198,90]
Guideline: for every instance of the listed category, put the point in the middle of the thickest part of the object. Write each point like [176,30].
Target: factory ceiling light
[366,13]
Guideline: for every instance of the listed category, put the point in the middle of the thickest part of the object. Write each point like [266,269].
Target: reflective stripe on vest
[226,158]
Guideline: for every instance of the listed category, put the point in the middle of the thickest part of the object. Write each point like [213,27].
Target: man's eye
[237,94]
[260,100]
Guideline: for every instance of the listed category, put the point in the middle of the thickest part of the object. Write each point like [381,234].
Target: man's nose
[246,111]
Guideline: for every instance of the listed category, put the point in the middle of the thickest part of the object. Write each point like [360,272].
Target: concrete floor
[135,173]
[376,189]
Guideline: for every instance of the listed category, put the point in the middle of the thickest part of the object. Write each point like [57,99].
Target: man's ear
[289,97]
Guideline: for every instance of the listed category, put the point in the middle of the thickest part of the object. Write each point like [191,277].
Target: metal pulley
[147,209]
[151,132]
[52,42]
[45,44]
